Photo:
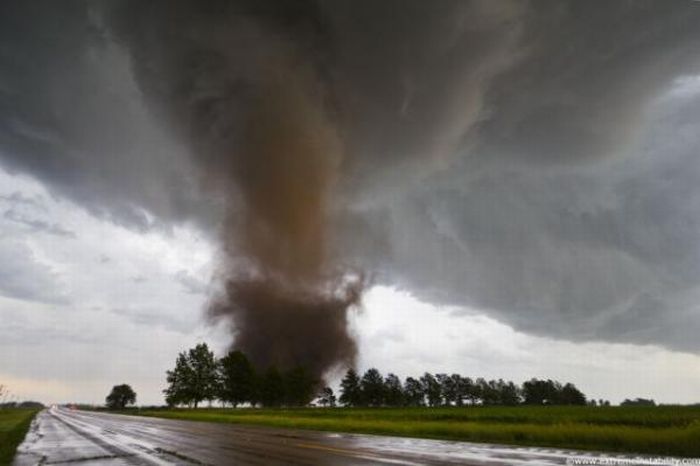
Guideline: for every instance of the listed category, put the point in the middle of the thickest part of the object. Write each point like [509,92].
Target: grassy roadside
[667,430]
[14,424]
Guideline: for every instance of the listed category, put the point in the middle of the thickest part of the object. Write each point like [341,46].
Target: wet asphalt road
[60,436]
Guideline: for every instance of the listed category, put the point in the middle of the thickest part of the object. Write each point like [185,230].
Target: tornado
[285,297]
[243,84]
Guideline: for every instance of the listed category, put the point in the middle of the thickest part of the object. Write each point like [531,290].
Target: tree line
[22,404]
[199,376]
[9,400]
[638,402]
[373,389]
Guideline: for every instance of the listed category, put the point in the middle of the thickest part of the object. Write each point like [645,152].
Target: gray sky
[519,181]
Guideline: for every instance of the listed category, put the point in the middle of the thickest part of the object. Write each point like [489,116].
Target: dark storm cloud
[70,115]
[519,157]
[591,71]
[604,251]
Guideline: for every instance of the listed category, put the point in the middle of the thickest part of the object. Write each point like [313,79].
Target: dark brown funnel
[246,84]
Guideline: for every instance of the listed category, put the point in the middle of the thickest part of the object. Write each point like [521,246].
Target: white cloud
[24,276]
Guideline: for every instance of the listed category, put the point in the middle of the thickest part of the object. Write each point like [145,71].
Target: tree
[194,379]
[120,397]
[393,391]
[372,388]
[179,390]
[510,393]
[453,390]
[540,392]
[326,397]
[4,393]
[237,379]
[350,389]
[414,395]
[470,390]
[570,395]
[462,384]
[488,392]
[446,392]
[272,387]
[204,383]
[432,389]
[299,387]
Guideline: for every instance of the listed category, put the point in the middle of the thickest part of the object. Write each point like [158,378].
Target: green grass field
[14,424]
[666,430]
